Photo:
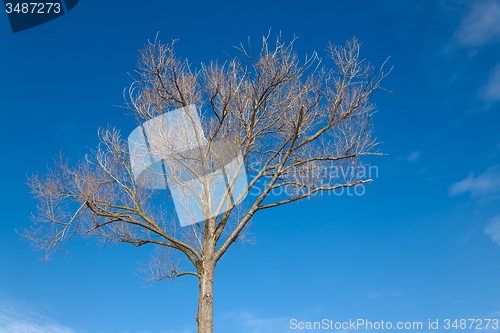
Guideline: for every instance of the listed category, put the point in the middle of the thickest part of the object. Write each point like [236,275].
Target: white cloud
[15,318]
[491,91]
[485,184]
[481,25]
[493,229]
[413,157]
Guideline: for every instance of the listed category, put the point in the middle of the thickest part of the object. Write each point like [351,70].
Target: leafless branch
[293,122]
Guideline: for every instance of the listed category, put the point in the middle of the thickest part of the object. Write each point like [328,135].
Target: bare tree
[284,123]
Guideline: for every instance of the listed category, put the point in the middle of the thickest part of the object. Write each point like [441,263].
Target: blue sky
[422,243]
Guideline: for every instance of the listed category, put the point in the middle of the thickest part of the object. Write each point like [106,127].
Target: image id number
[33,8]
[471,324]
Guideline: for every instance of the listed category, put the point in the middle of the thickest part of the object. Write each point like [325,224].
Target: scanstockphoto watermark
[446,324]
[324,176]
[354,324]
[209,178]
[171,151]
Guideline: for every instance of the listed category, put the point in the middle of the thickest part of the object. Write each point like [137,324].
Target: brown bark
[205,297]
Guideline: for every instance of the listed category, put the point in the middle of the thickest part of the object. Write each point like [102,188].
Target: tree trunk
[205,298]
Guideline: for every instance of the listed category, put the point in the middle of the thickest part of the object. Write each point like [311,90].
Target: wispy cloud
[15,318]
[491,91]
[484,185]
[413,157]
[480,26]
[493,229]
